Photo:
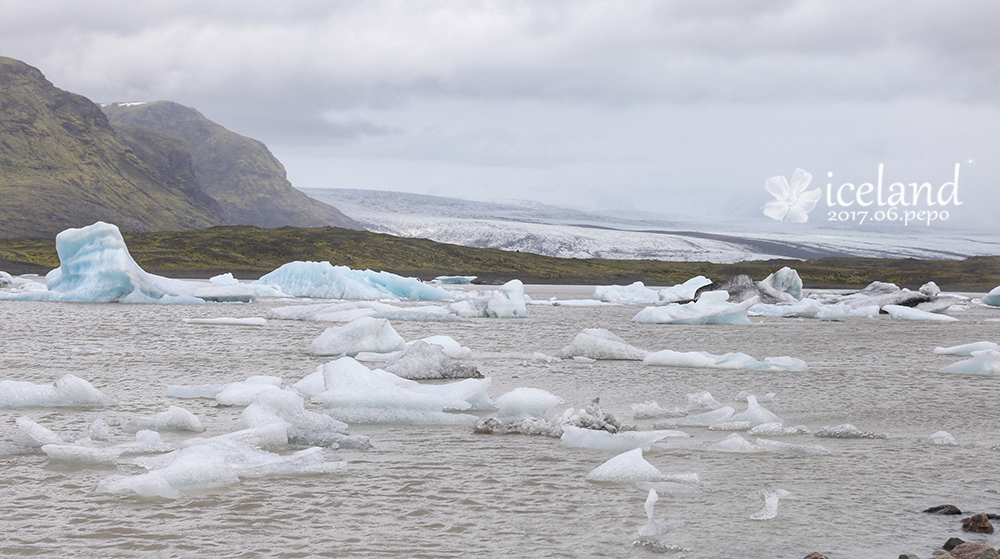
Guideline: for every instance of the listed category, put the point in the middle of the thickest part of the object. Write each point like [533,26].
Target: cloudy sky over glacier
[677,107]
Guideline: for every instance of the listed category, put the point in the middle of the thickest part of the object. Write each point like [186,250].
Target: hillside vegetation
[249,252]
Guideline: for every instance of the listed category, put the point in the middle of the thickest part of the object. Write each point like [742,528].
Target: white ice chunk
[652,527]
[684,291]
[242,393]
[847,431]
[422,360]
[99,430]
[81,455]
[507,302]
[30,434]
[778,447]
[785,281]
[453,280]
[635,293]
[702,401]
[966,349]
[942,438]
[303,427]
[771,497]
[616,442]
[755,414]
[224,279]
[705,419]
[628,467]
[711,308]
[598,343]
[669,358]
[451,348]
[321,312]
[174,419]
[736,444]
[777,430]
[67,391]
[811,308]
[930,289]
[361,334]
[983,362]
[524,402]
[897,312]
[652,410]
[326,281]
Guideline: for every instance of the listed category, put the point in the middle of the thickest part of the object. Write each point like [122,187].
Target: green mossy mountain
[63,165]
[240,172]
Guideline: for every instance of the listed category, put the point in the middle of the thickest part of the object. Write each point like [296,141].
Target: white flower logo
[791,204]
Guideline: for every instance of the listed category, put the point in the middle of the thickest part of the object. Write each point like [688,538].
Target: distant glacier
[568,233]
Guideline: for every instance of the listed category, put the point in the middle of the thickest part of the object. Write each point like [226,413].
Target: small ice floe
[992,298]
[744,395]
[230,394]
[302,426]
[638,293]
[669,358]
[652,527]
[589,417]
[983,362]
[771,497]
[363,334]
[847,431]
[354,393]
[523,402]
[898,312]
[451,348]
[702,401]
[810,308]
[731,426]
[966,349]
[320,312]
[598,343]
[712,307]
[68,391]
[628,467]
[507,302]
[227,321]
[778,447]
[755,414]
[82,455]
[777,430]
[99,430]
[942,438]
[174,419]
[705,419]
[652,410]
[31,435]
[734,443]
[616,442]
[86,350]
[421,360]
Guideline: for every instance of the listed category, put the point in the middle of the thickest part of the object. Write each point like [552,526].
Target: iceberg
[68,391]
[711,308]
[174,419]
[323,280]
[811,308]
[628,467]
[983,362]
[784,281]
[668,358]
[598,343]
[507,302]
[898,312]
[577,437]
[992,298]
[363,334]
[95,267]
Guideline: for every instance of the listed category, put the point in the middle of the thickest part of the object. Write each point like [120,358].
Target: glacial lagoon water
[437,491]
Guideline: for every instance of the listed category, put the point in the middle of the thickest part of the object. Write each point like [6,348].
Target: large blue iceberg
[326,281]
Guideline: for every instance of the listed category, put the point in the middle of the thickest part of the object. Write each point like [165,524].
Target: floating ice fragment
[653,528]
[755,414]
[99,430]
[174,419]
[777,430]
[451,348]
[711,308]
[744,395]
[930,289]
[707,418]
[242,393]
[617,442]
[730,426]
[983,362]
[635,293]
[507,302]
[321,312]
[422,360]
[628,467]
[771,497]
[652,410]
[669,358]
[847,431]
[992,298]
[778,447]
[702,401]
[942,438]
[524,402]
[361,334]
[453,280]
[736,444]
[897,312]
[67,391]
[303,427]
[31,435]
[226,321]
[598,343]
[966,349]
[81,455]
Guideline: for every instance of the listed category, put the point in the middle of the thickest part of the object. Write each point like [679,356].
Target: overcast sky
[676,107]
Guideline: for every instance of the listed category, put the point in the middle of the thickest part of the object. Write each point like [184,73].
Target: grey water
[444,491]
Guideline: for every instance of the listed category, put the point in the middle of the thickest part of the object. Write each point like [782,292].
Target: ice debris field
[292,426]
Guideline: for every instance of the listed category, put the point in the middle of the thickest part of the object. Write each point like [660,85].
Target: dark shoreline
[249,252]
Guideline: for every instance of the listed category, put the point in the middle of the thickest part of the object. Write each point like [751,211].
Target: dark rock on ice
[943,509]
[741,288]
[979,524]
[422,360]
[908,556]
[589,417]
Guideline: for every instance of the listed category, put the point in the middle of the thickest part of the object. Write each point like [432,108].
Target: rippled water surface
[447,492]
